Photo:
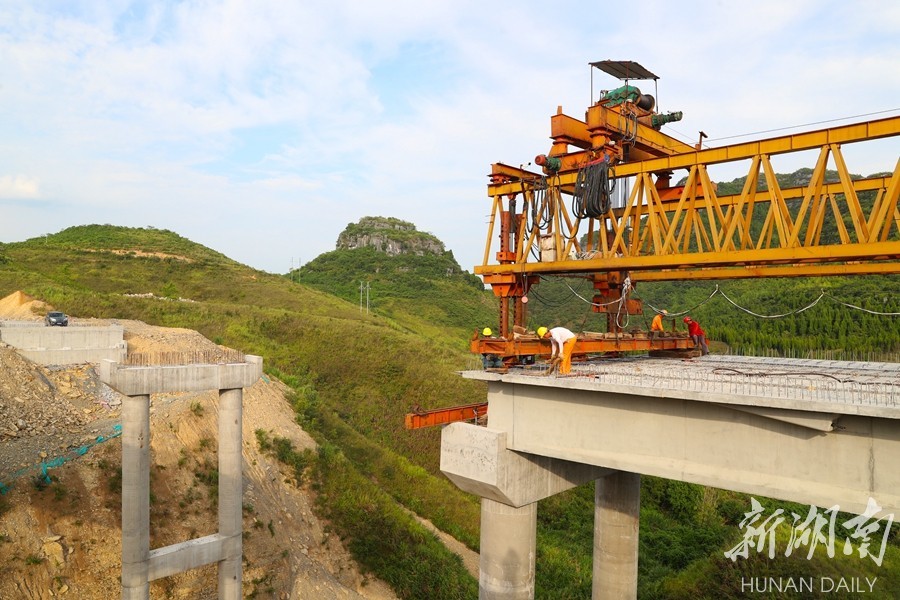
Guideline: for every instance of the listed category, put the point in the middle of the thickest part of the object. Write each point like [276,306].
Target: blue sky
[260,129]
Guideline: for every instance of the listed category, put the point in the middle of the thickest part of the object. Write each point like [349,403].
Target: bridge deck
[829,386]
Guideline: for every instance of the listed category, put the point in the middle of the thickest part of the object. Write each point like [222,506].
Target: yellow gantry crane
[568,220]
[565,221]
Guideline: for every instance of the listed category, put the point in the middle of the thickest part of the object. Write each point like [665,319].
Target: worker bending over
[697,335]
[562,342]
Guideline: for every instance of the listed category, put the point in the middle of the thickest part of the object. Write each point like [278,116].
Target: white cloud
[17,187]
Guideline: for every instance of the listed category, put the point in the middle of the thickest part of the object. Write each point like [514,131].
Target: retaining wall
[65,345]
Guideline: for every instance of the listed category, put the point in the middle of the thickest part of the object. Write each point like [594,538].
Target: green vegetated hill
[355,375]
[389,267]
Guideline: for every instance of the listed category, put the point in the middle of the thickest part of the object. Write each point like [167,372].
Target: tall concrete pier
[140,564]
[814,432]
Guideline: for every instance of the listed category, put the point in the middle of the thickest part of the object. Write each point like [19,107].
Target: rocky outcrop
[389,235]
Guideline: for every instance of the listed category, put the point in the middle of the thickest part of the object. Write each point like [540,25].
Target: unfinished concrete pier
[816,432]
[140,564]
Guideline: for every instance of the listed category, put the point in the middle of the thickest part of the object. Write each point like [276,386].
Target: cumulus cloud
[18,187]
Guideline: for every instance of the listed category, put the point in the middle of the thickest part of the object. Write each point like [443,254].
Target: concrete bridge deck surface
[828,386]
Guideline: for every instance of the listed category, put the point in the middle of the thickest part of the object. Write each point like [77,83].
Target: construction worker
[697,334]
[562,343]
[490,361]
[656,327]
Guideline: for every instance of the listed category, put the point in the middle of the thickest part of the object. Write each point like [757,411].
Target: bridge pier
[617,504]
[140,564]
[508,538]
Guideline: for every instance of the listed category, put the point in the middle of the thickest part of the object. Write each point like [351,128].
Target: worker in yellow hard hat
[562,343]
[489,360]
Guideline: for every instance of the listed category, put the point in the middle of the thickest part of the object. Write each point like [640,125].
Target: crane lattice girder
[678,236]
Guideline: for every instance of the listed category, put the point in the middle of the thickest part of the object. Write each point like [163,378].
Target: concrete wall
[65,345]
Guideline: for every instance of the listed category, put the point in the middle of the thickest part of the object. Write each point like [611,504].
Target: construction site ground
[63,538]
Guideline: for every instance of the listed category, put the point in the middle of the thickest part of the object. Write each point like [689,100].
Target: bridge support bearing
[508,546]
[617,503]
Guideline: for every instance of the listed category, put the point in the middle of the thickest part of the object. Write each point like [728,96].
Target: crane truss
[848,226]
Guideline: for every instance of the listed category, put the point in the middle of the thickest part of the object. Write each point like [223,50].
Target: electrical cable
[593,188]
[717,290]
[871,312]
[750,312]
[880,112]
[678,314]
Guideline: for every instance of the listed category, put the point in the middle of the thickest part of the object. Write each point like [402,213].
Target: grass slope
[352,373]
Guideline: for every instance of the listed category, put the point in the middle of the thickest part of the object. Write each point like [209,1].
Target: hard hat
[542,331]
[664,311]
[487,332]
[687,319]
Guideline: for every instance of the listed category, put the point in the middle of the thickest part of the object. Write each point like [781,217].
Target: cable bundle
[591,197]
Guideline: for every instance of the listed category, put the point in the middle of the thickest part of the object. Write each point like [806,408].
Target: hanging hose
[593,190]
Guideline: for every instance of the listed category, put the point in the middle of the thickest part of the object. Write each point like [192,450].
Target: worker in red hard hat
[562,342]
[698,335]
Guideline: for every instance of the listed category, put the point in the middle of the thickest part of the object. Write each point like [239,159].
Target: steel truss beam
[689,232]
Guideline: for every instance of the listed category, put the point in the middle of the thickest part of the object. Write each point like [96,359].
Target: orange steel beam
[440,416]
[599,343]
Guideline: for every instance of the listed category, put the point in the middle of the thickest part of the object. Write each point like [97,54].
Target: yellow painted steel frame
[690,232]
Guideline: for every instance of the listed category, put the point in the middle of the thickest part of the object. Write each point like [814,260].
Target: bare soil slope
[63,539]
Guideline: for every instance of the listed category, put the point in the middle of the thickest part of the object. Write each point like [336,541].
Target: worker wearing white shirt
[562,342]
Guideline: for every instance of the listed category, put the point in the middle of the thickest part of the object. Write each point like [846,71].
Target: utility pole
[361,290]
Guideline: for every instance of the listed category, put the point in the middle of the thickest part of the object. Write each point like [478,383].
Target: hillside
[310,340]
[388,266]
[60,536]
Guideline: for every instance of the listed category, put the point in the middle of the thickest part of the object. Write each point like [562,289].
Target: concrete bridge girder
[838,456]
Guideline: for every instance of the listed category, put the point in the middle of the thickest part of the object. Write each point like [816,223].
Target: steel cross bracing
[851,226]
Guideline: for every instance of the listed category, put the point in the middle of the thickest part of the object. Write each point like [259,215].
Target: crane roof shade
[624,69]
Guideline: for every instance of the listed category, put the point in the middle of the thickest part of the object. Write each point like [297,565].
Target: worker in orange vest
[656,327]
